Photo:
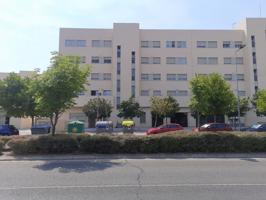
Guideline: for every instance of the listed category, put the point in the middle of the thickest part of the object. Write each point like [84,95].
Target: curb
[6,157]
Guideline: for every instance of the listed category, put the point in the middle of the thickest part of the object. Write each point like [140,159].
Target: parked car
[104,126]
[256,128]
[164,128]
[214,127]
[7,130]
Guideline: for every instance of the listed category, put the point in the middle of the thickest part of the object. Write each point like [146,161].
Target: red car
[164,128]
[214,127]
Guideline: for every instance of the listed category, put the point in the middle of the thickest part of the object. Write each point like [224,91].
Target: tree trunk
[7,120]
[32,121]
[214,118]
[155,123]
[54,122]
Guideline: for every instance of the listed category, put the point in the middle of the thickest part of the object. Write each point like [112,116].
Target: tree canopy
[59,85]
[211,95]
[98,108]
[129,109]
[259,101]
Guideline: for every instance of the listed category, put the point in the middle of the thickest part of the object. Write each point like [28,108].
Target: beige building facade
[128,61]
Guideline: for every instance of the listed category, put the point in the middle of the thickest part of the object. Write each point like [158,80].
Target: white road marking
[136,186]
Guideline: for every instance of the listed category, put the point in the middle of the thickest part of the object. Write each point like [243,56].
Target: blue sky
[29,29]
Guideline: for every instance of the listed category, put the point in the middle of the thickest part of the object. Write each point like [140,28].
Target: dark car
[214,127]
[7,130]
[164,128]
[256,128]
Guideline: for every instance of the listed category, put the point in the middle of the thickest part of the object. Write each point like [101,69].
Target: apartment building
[129,61]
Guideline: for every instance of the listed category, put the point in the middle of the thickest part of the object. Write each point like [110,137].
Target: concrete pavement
[129,178]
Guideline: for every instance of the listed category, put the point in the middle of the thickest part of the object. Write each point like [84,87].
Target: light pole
[237,87]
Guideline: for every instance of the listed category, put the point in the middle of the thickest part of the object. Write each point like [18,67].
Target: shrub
[99,144]
[44,144]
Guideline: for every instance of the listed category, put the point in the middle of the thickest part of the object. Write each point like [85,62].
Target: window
[181,44]
[144,44]
[95,76]
[156,60]
[118,51]
[226,44]
[228,77]
[133,76]
[156,44]
[255,74]
[171,92]
[94,92]
[156,77]
[242,93]
[118,70]
[144,60]
[81,93]
[212,60]
[212,44]
[118,85]
[144,93]
[107,60]
[70,43]
[170,44]
[201,44]
[202,60]
[238,44]
[227,60]
[107,93]
[253,44]
[170,60]
[181,77]
[95,59]
[107,76]
[239,60]
[182,93]
[133,90]
[142,118]
[133,57]
[181,60]
[157,93]
[240,77]
[83,59]
[171,77]
[96,43]
[75,43]
[107,43]
[144,77]
[254,59]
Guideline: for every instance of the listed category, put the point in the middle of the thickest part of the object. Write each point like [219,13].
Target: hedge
[191,142]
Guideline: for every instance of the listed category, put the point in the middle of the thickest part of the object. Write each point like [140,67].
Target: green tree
[130,109]
[97,108]
[259,101]
[211,95]
[59,85]
[13,97]
[164,107]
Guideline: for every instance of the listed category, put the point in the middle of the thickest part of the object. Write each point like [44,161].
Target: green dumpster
[75,127]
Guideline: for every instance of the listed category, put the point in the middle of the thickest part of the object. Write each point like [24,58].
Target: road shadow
[78,166]
[250,159]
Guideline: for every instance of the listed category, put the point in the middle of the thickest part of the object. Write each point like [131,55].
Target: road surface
[128,179]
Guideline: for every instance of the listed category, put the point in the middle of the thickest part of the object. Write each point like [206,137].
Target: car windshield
[256,126]
[205,126]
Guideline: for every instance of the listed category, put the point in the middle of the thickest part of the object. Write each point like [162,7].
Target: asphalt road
[128,179]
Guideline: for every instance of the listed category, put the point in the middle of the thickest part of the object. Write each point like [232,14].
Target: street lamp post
[237,86]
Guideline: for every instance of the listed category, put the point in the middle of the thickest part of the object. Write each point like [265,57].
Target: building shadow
[78,166]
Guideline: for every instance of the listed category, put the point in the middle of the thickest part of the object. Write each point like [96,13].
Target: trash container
[75,127]
[128,126]
[104,127]
[40,129]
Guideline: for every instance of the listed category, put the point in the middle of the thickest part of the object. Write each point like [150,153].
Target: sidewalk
[7,156]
